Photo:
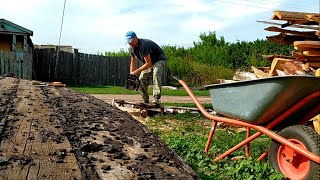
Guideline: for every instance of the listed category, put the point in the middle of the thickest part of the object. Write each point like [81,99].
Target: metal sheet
[262,100]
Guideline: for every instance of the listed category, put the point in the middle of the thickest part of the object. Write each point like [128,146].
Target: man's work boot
[156,103]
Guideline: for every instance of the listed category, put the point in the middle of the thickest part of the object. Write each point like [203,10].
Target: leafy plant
[187,134]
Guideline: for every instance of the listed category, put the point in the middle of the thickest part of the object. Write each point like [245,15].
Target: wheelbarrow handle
[176,78]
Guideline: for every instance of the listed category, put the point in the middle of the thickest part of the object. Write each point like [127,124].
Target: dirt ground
[164,99]
[57,133]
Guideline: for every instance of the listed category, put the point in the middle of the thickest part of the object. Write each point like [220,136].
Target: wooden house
[15,38]
[16,50]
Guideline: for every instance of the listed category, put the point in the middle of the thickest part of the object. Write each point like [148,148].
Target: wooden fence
[16,64]
[81,69]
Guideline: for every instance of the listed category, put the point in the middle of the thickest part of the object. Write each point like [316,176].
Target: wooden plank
[111,71]
[283,38]
[108,73]
[87,67]
[295,26]
[303,57]
[312,53]
[103,70]
[84,69]
[80,69]
[311,34]
[100,70]
[289,15]
[75,67]
[30,144]
[314,64]
[6,63]
[306,45]
[271,57]
[96,70]
[66,68]
[90,69]
[118,61]
[1,62]
[29,66]
[315,18]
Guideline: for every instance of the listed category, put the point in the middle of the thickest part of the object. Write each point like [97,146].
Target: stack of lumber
[305,59]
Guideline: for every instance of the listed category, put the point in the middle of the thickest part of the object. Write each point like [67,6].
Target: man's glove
[132,82]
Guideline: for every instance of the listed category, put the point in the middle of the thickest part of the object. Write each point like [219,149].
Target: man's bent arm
[145,66]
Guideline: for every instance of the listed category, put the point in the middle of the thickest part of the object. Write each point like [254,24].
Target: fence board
[17,62]
[2,61]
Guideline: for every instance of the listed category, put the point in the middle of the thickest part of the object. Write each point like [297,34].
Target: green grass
[122,90]
[187,134]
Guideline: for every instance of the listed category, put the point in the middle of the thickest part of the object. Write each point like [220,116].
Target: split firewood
[290,68]
[259,73]
[280,73]
[276,64]
[305,67]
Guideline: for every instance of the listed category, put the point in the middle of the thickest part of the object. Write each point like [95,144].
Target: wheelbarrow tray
[262,100]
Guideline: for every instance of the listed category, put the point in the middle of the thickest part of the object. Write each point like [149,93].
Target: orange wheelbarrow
[283,104]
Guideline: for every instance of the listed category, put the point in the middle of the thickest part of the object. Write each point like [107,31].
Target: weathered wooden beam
[289,15]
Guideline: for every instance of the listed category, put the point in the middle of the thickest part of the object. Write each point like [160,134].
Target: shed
[16,50]
[15,38]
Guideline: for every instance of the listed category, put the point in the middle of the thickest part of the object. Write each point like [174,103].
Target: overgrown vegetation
[187,134]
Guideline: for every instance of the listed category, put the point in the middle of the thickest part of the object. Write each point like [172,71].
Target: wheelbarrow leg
[213,128]
[248,144]
[263,155]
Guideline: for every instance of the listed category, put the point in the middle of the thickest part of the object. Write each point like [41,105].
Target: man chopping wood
[153,68]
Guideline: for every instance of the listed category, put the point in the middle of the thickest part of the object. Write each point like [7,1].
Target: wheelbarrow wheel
[291,164]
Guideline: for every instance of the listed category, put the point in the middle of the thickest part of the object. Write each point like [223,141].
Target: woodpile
[305,59]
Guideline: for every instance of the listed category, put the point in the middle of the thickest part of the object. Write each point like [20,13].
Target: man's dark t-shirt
[145,47]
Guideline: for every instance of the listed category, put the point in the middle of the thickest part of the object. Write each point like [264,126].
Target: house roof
[12,28]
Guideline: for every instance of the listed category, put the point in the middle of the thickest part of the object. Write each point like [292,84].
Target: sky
[98,26]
